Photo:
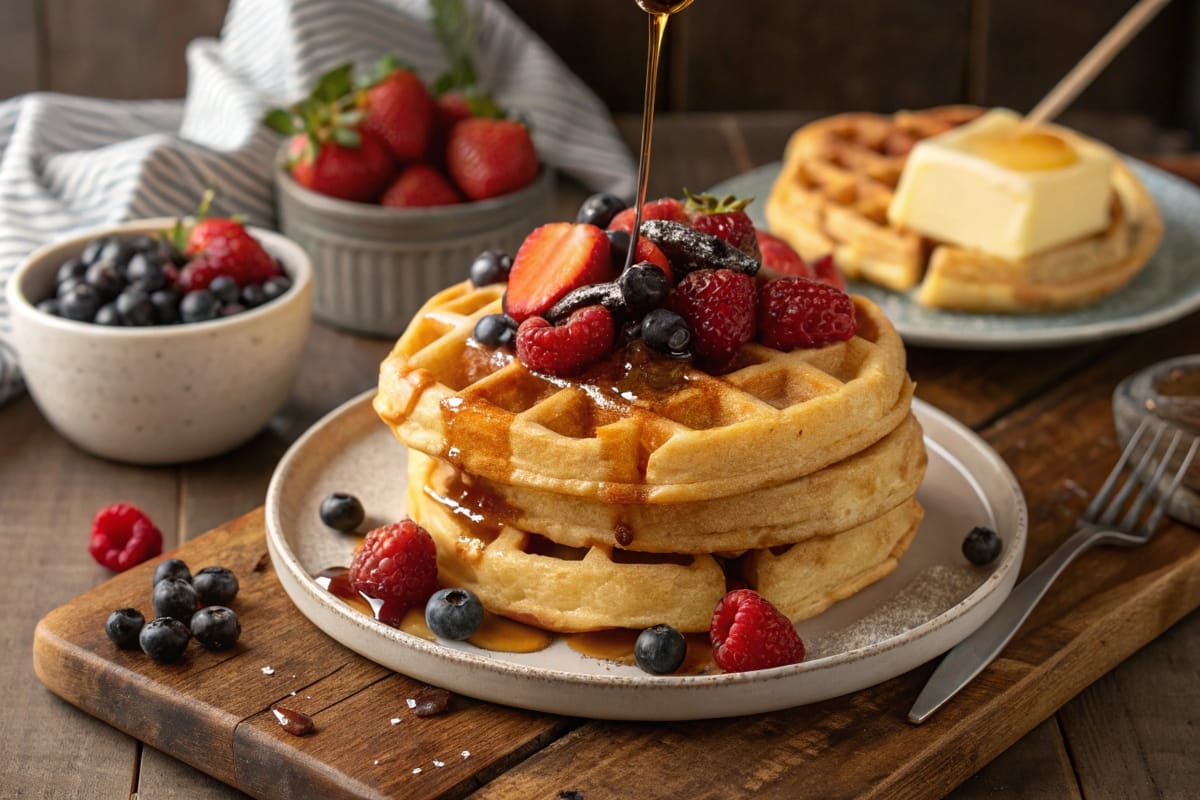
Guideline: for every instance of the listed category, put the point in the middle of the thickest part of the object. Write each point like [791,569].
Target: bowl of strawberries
[391,189]
[162,341]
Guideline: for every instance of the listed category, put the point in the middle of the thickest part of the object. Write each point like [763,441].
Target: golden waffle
[640,438]
[533,579]
[839,176]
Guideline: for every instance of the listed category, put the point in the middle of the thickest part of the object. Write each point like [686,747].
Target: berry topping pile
[703,282]
[211,269]
[749,633]
[397,564]
[389,139]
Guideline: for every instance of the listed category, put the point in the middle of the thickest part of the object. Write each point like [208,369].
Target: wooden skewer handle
[1096,60]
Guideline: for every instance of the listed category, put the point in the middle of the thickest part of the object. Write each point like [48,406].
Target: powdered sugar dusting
[934,590]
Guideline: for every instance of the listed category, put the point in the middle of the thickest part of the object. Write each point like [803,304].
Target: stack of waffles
[839,178]
[638,492]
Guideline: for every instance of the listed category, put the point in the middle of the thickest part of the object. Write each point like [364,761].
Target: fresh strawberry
[582,339]
[664,208]
[827,272]
[420,185]
[398,565]
[779,259]
[553,260]
[749,633]
[490,157]
[798,312]
[399,111]
[358,173]
[718,305]
[219,246]
[647,251]
[723,217]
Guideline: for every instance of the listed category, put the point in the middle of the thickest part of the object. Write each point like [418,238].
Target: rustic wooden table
[1131,734]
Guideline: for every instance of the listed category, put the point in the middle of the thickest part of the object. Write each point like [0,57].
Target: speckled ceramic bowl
[375,266]
[162,394]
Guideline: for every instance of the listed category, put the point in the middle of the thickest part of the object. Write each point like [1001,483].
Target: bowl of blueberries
[162,341]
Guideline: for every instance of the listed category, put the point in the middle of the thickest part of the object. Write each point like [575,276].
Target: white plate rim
[632,697]
[1036,335]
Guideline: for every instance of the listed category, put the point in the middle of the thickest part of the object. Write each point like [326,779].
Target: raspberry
[748,633]
[718,305]
[398,565]
[798,312]
[123,537]
[584,338]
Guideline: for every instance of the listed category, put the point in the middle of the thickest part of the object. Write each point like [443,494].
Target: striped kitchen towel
[70,163]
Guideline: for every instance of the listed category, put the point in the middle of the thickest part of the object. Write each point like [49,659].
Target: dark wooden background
[722,55]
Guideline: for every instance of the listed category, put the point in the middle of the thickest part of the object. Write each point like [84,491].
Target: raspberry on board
[123,537]
[798,312]
[397,564]
[749,633]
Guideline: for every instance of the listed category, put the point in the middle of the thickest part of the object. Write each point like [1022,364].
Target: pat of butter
[980,187]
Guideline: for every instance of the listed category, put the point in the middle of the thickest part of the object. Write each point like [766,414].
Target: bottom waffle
[530,578]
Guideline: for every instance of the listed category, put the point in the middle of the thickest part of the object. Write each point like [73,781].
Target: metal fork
[1097,526]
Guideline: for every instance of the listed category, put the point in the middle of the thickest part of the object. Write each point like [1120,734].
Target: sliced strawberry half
[553,260]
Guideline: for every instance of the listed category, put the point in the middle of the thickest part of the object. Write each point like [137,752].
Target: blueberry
[175,597]
[172,568]
[105,279]
[495,330]
[225,288]
[80,303]
[229,310]
[490,266]
[143,243]
[123,627]
[71,268]
[252,295]
[134,307]
[982,545]
[643,286]
[91,251]
[216,627]
[342,512]
[61,290]
[116,250]
[618,247]
[273,287]
[216,586]
[198,306]
[667,332]
[599,209]
[145,271]
[49,306]
[107,314]
[660,650]
[164,639]
[166,306]
[454,614]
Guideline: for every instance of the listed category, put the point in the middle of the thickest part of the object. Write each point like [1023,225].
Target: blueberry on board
[495,330]
[107,314]
[454,613]
[643,286]
[618,247]
[80,302]
[166,306]
[172,568]
[71,268]
[216,627]
[164,639]
[342,511]
[660,650]
[489,267]
[175,597]
[982,545]
[599,209]
[198,306]
[666,332]
[252,295]
[134,307]
[49,306]
[225,288]
[123,627]
[145,271]
[105,279]
[216,586]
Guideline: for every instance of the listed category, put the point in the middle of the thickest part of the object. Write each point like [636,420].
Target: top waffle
[840,175]
[659,432]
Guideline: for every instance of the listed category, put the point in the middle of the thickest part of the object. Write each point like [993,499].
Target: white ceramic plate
[931,602]
[1167,289]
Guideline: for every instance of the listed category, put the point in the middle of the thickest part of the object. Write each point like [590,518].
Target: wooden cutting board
[212,710]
